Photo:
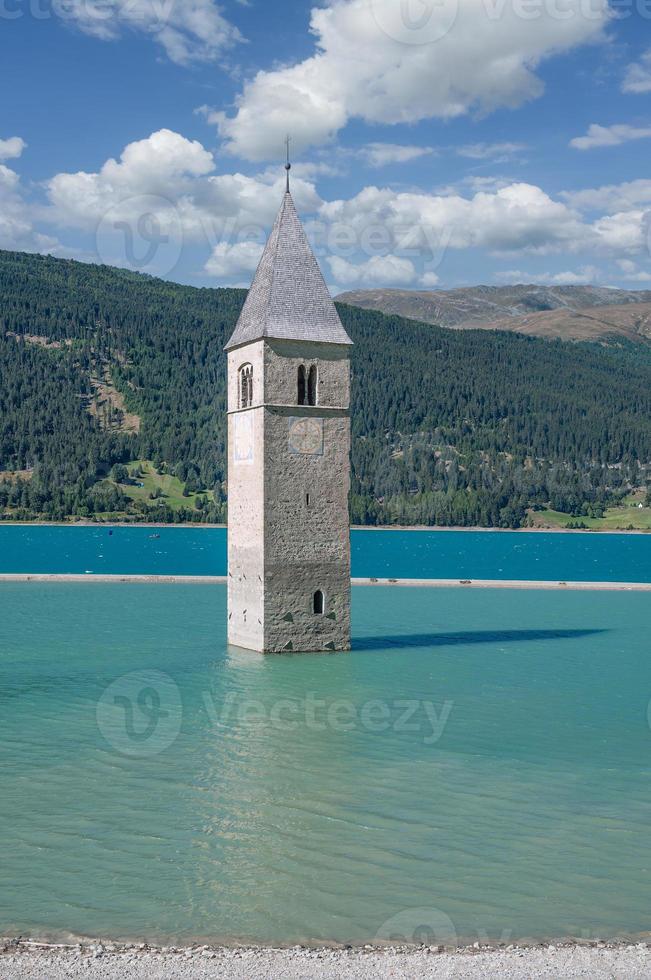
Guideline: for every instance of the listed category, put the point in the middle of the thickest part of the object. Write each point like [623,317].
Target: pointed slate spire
[289,299]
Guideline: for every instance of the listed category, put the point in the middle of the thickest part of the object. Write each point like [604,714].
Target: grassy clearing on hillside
[170,488]
[628,515]
[151,489]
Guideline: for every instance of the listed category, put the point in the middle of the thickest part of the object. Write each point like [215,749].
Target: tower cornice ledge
[287,342]
[295,410]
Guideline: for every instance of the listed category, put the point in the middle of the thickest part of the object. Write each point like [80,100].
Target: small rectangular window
[312,381]
[245,386]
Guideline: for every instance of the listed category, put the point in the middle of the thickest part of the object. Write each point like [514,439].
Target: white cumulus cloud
[382,154]
[188,30]
[429,279]
[599,136]
[163,188]
[164,167]
[625,231]
[17,229]
[632,273]
[583,276]
[12,148]
[365,66]
[611,197]
[164,192]
[489,151]
[237,259]
[379,270]
[520,216]
[637,80]
[175,177]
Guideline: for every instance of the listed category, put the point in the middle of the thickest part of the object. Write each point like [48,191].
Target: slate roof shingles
[288,299]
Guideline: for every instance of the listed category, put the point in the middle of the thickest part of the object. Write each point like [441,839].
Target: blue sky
[436,143]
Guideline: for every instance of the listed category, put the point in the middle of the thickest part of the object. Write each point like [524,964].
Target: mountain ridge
[537,310]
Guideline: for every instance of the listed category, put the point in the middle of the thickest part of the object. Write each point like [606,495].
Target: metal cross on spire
[288,165]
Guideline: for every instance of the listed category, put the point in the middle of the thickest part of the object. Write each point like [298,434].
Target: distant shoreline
[502,530]
[414,583]
[353,527]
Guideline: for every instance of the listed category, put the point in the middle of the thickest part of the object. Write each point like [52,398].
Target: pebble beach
[105,961]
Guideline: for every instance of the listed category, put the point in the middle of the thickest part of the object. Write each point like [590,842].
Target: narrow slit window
[318,603]
[302,385]
[245,386]
[312,382]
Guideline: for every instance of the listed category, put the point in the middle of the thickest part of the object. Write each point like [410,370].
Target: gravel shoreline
[20,960]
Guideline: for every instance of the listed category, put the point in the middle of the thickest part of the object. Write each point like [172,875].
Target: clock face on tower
[306,436]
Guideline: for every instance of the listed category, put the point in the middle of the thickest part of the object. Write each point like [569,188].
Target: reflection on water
[491,779]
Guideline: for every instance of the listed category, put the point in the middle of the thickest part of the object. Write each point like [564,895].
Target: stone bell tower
[288,455]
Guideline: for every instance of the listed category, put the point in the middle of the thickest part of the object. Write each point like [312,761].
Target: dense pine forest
[112,402]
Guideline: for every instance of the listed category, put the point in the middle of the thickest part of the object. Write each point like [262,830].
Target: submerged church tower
[288,455]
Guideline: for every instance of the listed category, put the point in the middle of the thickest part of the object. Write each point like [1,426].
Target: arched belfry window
[318,603]
[302,385]
[245,385]
[312,381]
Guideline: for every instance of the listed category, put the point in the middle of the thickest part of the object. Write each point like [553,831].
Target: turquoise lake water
[478,766]
[383,554]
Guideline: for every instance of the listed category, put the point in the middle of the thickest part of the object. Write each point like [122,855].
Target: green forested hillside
[101,367]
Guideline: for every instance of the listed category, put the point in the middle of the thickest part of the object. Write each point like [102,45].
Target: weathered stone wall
[246,505]
[282,360]
[307,544]
[288,505]
[251,354]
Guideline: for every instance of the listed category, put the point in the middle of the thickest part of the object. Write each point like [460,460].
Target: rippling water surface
[479,765]
[384,554]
